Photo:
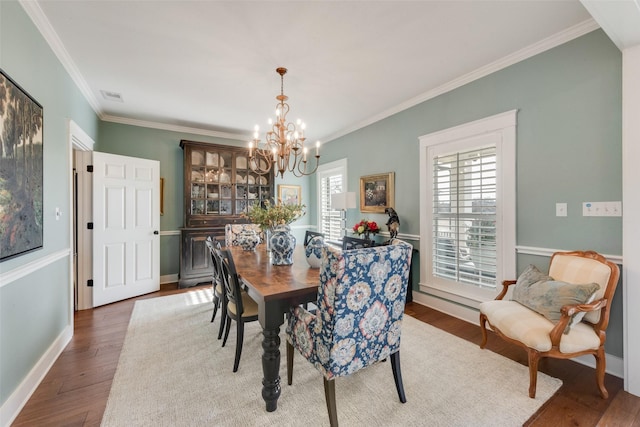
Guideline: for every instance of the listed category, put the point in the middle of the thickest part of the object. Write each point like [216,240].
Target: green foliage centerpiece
[275,220]
[269,215]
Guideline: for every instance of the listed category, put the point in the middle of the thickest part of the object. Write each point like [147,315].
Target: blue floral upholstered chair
[361,299]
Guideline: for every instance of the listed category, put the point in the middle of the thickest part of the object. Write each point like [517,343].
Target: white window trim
[328,169]
[504,125]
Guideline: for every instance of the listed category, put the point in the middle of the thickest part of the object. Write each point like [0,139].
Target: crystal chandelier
[284,148]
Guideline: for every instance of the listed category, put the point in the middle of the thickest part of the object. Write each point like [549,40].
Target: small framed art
[289,194]
[377,192]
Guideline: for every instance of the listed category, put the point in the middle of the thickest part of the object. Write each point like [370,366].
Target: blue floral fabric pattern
[361,300]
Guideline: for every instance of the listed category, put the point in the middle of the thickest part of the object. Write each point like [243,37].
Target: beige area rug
[173,372]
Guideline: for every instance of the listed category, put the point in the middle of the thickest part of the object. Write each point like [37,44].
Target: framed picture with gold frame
[289,194]
[377,192]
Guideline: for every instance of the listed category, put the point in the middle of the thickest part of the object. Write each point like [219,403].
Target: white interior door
[126,223]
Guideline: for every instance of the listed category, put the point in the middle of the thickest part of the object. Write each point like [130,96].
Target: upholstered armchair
[361,299]
[232,231]
[563,314]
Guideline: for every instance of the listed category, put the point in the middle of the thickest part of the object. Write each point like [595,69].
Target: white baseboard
[169,278]
[615,364]
[14,404]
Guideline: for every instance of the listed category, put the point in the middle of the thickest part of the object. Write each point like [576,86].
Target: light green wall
[569,150]
[164,146]
[34,310]
[569,147]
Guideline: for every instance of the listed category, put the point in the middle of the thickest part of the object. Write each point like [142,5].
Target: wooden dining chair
[240,306]
[349,243]
[219,296]
[359,317]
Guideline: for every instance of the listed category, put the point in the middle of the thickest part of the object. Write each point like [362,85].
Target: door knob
[156,232]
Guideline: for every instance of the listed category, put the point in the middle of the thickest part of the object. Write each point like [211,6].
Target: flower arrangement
[271,215]
[366,227]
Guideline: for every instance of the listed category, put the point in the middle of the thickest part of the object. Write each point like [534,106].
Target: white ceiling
[210,65]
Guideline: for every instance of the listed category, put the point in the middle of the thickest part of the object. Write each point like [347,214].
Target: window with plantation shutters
[467,210]
[331,179]
[464,216]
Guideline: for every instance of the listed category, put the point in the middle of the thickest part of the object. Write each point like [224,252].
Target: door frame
[80,149]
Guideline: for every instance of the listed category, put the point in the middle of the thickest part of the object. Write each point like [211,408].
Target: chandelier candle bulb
[304,154]
[317,148]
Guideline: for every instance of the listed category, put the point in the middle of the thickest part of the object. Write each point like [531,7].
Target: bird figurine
[393,223]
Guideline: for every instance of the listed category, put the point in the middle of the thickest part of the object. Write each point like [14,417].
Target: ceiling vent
[111,96]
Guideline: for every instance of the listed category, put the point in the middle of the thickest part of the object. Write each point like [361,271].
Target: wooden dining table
[275,288]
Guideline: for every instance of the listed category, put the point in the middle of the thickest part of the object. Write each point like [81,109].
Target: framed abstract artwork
[21,142]
[377,192]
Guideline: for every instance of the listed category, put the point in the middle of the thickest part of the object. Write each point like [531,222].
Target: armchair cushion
[546,296]
[532,329]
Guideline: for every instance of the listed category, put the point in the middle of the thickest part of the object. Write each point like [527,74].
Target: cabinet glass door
[198,188]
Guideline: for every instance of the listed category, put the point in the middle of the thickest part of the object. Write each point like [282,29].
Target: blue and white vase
[248,239]
[313,251]
[283,244]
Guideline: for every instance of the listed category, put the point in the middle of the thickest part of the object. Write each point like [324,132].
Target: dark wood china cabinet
[218,188]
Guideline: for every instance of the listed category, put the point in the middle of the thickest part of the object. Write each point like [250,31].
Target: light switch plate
[602,209]
[561,209]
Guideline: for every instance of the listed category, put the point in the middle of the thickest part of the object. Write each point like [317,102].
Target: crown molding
[33,10]
[173,128]
[534,49]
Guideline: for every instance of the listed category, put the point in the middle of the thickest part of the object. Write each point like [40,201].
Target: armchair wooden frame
[603,304]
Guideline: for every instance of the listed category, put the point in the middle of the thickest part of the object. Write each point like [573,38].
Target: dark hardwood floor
[75,391]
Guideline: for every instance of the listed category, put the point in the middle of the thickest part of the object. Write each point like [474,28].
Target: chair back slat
[349,243]
[231,281]
[214,245]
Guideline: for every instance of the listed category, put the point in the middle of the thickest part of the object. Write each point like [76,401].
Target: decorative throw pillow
[546,296]
[529,276]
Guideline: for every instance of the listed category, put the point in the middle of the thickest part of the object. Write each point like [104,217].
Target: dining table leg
[271,367]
